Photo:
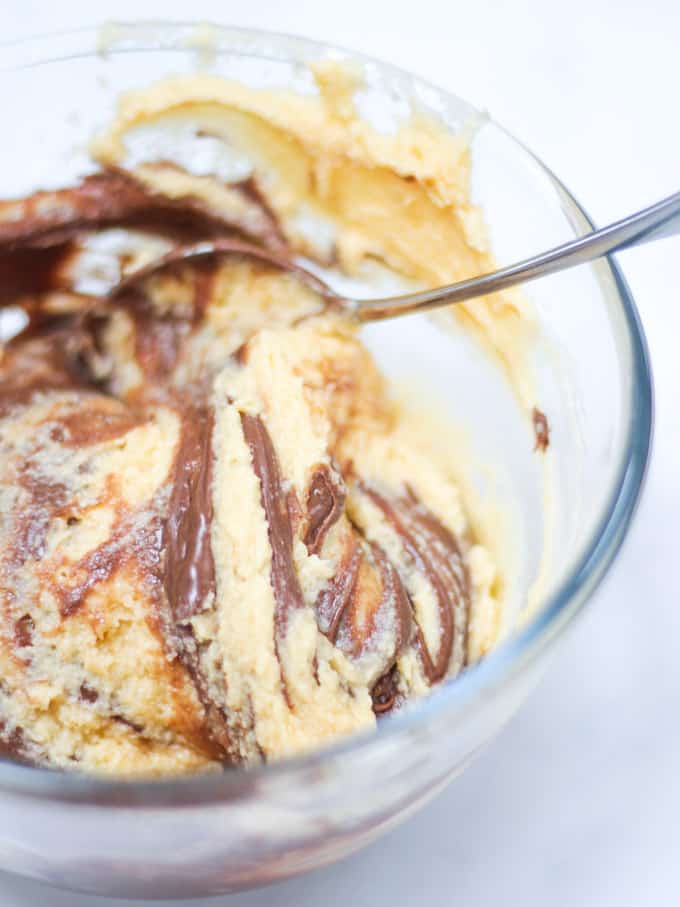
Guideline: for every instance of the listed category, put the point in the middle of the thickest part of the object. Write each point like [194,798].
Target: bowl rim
[511,656]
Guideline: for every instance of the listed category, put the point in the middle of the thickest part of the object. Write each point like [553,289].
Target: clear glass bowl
[206,835]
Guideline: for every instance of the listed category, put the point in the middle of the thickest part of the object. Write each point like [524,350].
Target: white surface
[577,803]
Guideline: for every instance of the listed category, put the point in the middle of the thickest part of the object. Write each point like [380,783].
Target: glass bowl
[205,835]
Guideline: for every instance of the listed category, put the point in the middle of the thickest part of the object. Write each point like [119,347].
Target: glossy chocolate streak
[189,566]
[541,430]
[435,553]
[335,598]
[188,575]
[284,579]
[325,501]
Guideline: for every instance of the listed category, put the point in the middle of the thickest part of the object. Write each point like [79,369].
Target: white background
[578,801]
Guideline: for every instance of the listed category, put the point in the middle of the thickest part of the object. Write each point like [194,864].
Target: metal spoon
[655,222]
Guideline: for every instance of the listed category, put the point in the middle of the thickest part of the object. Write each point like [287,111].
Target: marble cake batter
[221,541]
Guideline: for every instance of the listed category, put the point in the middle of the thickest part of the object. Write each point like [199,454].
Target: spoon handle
[655,222]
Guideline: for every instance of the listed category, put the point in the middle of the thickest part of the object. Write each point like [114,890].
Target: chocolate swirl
[284,579]
[189,575]
[434,552]
[335,598]
[325,503]
[115,198]
[163,547]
